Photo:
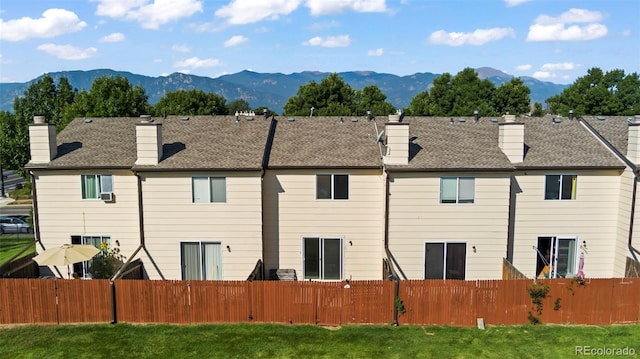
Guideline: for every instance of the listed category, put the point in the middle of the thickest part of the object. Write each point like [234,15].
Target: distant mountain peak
[274,89]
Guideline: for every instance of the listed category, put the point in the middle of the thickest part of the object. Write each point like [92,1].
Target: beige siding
[63,213]
[170,218]
[417,217]
[292,212]
[592,217]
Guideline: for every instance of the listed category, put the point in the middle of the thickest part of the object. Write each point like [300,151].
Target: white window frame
[84,240]
[201,259]
[572,263]
[457,200]
[333,186]
[444,258]
[209,195]
[104,184]
[321,261]
[574,187]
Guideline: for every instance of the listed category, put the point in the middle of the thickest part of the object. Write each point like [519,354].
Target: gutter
[634,188]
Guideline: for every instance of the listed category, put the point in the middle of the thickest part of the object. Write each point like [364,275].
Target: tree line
[597,93]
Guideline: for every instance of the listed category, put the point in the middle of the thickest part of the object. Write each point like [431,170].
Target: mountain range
[274,89]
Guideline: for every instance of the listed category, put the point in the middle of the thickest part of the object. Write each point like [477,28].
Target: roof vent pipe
[570,115]
[476,117]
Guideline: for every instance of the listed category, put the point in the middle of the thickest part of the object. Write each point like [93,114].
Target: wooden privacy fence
[437,302]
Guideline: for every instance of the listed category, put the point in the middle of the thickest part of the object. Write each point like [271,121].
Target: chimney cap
[509,118]
[39,119]
[146,118]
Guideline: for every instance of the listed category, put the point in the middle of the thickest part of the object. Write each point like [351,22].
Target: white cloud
[54,22]
[115,37]
[478,37]
[547,28]
[558,66]
[235,41]
[249,11]
[626,33]
[318,26]
[543,75]
[195,63]
[511,3]
[329,41]
[376,52]
[181,48]
[525,67]
[149,15]
[325,7]
[68,52]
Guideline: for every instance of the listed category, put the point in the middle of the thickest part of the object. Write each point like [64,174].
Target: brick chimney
[511,138]
[633,140]
[148,141]
[42,140]
[397,134]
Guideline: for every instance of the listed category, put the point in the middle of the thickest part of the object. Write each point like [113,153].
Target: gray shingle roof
[438,145]
[202,142]
[218,142]
[565,144]
[324,142]
[613,128]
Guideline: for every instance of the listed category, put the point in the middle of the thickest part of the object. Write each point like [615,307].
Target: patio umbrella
[66,254]
[580,273]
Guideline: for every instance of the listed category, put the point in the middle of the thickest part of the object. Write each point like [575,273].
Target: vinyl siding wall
[417,216]
[63,213]
[292,212]
[594,217]
[170,218]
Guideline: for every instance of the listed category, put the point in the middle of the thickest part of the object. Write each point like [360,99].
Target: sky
[551,40]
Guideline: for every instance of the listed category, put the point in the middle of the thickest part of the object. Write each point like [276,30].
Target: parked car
[14,225]
[24,217]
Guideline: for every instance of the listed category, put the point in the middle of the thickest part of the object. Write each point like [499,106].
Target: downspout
[36,222]
[634,189]
[390,259]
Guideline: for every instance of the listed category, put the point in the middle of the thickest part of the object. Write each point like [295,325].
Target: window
[332,186]
[556,257]
[209,189]
[87,269]
[201,260]
[560,187]
[457,189]
[322,258]
[445,260]
[93,185]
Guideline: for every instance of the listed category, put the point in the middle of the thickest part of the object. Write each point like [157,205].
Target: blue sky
[551,40]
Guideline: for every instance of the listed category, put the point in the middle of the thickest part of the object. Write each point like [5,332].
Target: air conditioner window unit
[106,196]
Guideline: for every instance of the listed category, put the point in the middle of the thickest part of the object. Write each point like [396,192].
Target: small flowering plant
[106,263]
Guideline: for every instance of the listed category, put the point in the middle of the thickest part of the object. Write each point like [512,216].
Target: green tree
[331,97]
[42,98]
[471,94]
[238,105]
[371,98]
[191,102]
[111,97]
[419,105]
[537,110]
[512,97]
[598,93]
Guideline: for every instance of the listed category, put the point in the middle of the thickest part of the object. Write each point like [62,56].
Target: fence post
[114,317]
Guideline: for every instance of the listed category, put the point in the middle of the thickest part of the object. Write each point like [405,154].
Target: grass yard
[10,244]
[301,341]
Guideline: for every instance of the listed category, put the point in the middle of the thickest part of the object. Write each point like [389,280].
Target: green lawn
[11,244]
[301,341]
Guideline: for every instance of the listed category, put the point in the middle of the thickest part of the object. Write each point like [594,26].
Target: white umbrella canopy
[66,254]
